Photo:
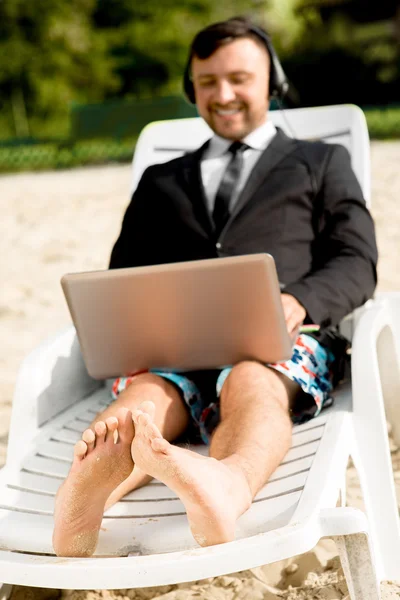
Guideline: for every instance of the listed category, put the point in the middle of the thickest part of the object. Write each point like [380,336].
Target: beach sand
[66,221]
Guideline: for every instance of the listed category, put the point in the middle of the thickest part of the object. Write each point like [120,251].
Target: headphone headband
[278,83]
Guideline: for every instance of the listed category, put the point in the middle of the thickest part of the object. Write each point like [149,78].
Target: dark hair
[208,40]
[216,35]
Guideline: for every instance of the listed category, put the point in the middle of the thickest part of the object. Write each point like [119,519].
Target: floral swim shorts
[310,366]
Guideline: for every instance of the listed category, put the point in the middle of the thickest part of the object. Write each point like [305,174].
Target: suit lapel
[280,146]
[191,180]
[193,184]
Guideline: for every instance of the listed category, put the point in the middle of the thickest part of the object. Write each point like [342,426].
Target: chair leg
[5,591]
[358,566]
[371,452]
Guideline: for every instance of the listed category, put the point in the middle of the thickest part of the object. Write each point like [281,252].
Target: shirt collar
[257,140]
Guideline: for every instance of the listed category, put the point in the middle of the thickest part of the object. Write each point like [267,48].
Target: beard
[235,126]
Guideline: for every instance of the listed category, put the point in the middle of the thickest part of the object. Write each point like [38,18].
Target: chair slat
[67,436]
[76,425]
[57,450]
[46,466]
[32,482]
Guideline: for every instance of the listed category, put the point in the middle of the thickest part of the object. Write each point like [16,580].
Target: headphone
[278,83]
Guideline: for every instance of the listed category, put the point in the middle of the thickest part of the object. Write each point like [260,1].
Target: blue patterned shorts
[309,366]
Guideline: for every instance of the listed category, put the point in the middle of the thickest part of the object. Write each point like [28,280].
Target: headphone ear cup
[278,83]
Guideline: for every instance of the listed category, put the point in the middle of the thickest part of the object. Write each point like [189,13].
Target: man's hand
[294,312]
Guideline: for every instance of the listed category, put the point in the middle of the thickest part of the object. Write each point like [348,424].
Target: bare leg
[103,471]
[253,437]
[100,463]
[171,417]
[255,430]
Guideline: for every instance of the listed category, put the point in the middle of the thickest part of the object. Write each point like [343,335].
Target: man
[298,201]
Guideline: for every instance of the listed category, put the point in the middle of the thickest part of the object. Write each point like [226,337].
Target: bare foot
[137,478]
[102,460]
[215,493]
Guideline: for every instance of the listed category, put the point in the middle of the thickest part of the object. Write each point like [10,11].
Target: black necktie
[227,186]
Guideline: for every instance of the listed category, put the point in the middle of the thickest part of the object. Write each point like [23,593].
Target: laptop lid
[183,316]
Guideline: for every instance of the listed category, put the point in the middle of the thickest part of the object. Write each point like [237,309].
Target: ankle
[238,469]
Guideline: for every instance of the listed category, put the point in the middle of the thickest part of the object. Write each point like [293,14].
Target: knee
[151,385]
[252,379]
[247,369]
[245,374]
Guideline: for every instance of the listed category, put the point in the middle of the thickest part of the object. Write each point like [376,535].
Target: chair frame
[54,393]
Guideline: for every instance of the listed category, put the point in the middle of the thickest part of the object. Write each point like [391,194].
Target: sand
[64,221]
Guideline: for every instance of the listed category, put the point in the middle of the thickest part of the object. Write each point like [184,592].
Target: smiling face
[231,88]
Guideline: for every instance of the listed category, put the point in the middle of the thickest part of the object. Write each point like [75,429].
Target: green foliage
[149,41]
[63,155]
[49,56]
[338,54]
[383,123]
[54,52]
[282,22]
[57,52]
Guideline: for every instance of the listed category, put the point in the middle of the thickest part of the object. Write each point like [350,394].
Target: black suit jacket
[302,203]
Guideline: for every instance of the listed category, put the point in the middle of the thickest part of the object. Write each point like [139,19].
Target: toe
[101,430]
[151,432]
[126,429]
[160,445]
[144,420]
[80,450]
[135,416]
[112,424]
[89,438]
[148,407]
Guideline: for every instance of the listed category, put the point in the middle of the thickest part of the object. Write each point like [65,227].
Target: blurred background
[80,78]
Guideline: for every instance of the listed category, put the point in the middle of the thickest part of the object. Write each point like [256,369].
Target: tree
[149,41]
[55,52]
[49,56]
[339,50]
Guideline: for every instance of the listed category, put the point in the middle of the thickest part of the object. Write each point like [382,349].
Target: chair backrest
[343,124]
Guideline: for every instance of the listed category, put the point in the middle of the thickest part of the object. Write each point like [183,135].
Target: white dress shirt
[216,158]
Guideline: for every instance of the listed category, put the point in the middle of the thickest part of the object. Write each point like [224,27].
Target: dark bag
[340,346]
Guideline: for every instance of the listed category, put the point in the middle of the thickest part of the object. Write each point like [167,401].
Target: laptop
[193,315]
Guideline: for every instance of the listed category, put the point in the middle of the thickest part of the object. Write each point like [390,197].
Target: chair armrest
[382,327]
[375,367]
[372,345]
[51,378]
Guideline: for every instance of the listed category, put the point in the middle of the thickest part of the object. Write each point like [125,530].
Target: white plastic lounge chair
[145,539]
